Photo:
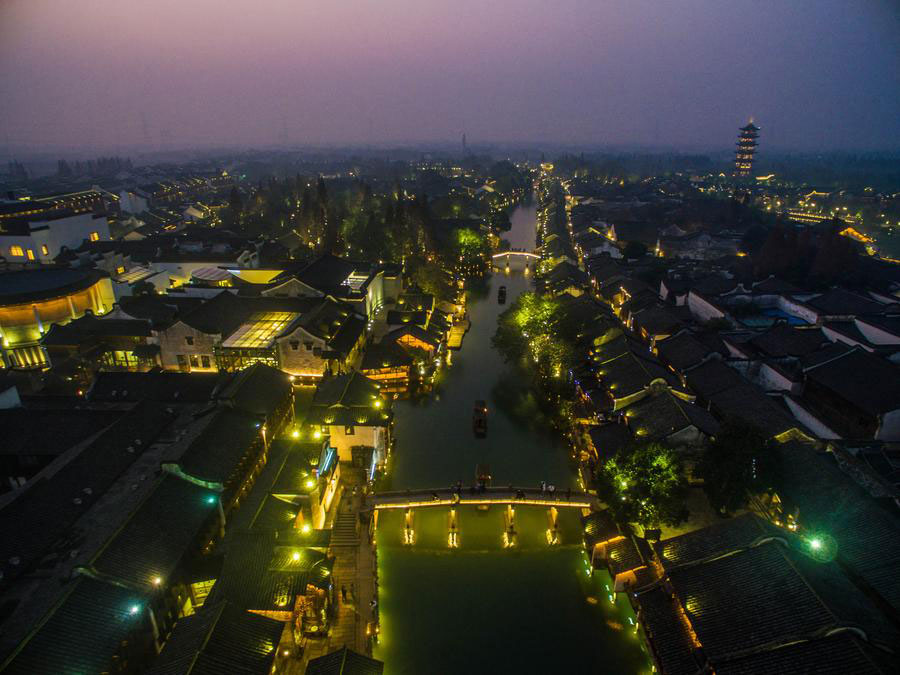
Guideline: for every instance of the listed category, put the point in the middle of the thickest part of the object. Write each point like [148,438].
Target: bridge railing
[473,495]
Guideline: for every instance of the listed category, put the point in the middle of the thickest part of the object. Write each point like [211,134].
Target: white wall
[876,335]
[701,309]
[889,429]
[810,421]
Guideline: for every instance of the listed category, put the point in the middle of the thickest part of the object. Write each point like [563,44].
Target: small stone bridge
[415,499]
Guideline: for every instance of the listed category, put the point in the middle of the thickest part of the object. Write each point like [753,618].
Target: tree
[737,463]
[645,485]
[431,278]
[536,328]
[143,288]
[633,250]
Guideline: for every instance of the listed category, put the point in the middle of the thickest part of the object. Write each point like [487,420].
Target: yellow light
[296,556]
[317,434]
[295,434]
[378,403]
[306,528]
[309,483]
[157,581]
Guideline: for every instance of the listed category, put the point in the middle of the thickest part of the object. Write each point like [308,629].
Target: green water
[482,608]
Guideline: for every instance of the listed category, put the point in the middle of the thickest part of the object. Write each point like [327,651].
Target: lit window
[30,254]
[45,250]
[16,251]
[120,269]
[95,236]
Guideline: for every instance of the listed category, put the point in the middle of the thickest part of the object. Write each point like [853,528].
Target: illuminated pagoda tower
[746,147]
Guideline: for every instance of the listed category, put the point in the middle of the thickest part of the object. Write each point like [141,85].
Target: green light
[815,544]
[134,609]
[211,500]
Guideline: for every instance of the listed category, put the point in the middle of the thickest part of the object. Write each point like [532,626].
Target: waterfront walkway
[408,499]
[354,570]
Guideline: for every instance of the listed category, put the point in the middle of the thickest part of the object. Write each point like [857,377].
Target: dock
[457,332]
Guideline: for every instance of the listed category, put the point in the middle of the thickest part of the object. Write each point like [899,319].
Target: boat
[501,295]
[479,419]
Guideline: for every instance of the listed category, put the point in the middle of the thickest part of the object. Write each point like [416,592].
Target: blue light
[211,500]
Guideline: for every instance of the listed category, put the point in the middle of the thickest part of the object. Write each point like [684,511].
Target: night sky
[815,74]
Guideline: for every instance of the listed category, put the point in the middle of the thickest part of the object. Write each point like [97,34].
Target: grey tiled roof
[344,662]
[220,638]
[162,530]
[83,633]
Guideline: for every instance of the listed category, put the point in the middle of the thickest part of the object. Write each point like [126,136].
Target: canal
[482,608]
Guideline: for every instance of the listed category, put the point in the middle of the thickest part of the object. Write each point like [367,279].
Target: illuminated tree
[645,485]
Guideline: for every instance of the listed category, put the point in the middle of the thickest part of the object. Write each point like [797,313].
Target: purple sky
[816,74]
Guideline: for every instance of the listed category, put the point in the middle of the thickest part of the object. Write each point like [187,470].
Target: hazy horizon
[101,75]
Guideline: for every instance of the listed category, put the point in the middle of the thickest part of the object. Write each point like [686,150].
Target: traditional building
[746,148]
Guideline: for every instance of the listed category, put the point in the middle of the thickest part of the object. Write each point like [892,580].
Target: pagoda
[746,147]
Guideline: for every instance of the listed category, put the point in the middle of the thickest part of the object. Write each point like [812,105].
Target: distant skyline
[101,74]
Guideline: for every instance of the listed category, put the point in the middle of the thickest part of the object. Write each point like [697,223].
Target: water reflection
[483,608]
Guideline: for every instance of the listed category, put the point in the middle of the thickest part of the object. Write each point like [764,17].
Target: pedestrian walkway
[354,570]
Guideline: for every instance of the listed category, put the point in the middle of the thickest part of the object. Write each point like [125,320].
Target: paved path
[354,570]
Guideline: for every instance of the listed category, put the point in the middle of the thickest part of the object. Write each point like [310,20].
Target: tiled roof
[257,390]
[623,555]
[84,632]
[669,638]
[748,402]
[161,386]
[219,451]
[870,383]
[50,432]
[868,535]
[609,439]
[161,310]
[220,639]
[158,534]
[682,351]
[662,414]
[699,544]
[385,355]
[838,654]
[44,514]
[631,373]
[841,302]
[260,572]
[784,340]
[658,320]
[344,662]
[712,377]
[599,526]
[220,315]
[349,400]
[77,331]
[747,599]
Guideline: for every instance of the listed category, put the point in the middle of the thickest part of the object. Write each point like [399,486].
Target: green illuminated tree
[645,485]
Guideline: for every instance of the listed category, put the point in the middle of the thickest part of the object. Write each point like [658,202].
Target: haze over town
[817,74]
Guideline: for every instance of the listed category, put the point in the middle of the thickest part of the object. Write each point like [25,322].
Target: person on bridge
[543,487]
[551,489]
